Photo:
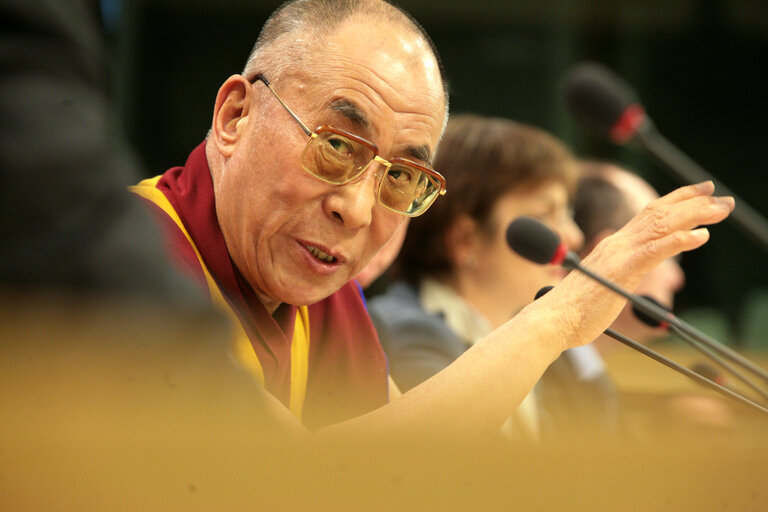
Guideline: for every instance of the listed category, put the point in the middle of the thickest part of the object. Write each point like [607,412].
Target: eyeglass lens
[338,160]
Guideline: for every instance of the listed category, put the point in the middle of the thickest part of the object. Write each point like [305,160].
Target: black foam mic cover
[545,290]
[596,96]
[647,319]
[533,240]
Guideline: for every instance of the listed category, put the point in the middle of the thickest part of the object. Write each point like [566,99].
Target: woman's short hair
[482,159]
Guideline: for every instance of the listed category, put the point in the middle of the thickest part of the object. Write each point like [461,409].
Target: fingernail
[705,185]
[725,203]
[701,234]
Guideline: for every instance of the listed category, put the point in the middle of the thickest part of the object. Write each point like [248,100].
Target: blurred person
[65,220]
[607,198]
[460,280]
[275,218]
[379,266]
[455,264]
[585,396]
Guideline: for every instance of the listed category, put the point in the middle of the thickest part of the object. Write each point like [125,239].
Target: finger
[705,188]
[673,244]
[685,215]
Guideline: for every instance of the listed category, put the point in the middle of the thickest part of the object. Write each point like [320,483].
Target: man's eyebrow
[421,153]
[351,112]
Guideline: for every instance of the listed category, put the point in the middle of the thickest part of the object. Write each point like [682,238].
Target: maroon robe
[347,373]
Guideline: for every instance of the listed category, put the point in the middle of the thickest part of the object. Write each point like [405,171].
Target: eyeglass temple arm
[294,116]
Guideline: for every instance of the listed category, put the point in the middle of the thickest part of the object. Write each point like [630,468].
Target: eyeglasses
[339,157]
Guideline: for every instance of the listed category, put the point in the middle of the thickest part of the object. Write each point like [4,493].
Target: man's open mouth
[317,253]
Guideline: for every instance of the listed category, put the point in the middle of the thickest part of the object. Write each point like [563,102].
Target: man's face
[295,238]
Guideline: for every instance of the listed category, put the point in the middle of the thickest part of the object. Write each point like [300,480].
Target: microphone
[603,102]
[546,247]
[542,246]
[543,291]
[673,365]
[648,320]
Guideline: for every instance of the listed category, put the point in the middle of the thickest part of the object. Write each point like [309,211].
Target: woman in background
[457,277]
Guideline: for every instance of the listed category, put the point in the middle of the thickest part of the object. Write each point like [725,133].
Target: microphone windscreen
[543,292]
[533,240]
[596,96]
[646,319]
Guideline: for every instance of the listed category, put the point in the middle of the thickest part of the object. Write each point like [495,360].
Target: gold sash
[241,345]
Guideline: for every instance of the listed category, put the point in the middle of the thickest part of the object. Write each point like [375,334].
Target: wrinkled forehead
[397,44]
[379,82]
[392,53]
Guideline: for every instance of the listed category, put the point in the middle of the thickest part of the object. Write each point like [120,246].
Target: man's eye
[400,175]
[340,146]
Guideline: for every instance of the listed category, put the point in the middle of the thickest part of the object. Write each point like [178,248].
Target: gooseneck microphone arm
[724,364]
[751,223]
[673,365]
[571,261]
[683,370]
[651,322]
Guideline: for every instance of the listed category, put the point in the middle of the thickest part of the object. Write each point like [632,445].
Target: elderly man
[277,217]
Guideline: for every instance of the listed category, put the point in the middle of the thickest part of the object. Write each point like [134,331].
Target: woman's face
[503,282]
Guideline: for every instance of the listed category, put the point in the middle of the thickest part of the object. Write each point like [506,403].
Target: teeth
[317,253]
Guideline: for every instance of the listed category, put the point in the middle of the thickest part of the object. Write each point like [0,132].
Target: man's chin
[303,294]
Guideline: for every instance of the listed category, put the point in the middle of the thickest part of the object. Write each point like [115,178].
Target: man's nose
[570,234]
[352,204]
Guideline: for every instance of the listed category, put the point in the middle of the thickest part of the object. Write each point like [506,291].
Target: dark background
[699,68]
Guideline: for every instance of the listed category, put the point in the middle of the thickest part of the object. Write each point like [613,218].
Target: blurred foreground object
[66,221]
[120,411]
[108,404]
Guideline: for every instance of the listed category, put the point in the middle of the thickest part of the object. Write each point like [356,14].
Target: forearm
[480,389]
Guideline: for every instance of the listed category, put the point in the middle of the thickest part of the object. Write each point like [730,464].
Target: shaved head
[296,28]
[608,196]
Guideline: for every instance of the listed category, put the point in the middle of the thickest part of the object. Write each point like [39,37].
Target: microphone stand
[571,261]
[651,322]
[683,370]
[671,364]
[733,371]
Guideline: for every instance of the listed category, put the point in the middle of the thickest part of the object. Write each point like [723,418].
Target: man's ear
[230,114]
[462,241]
